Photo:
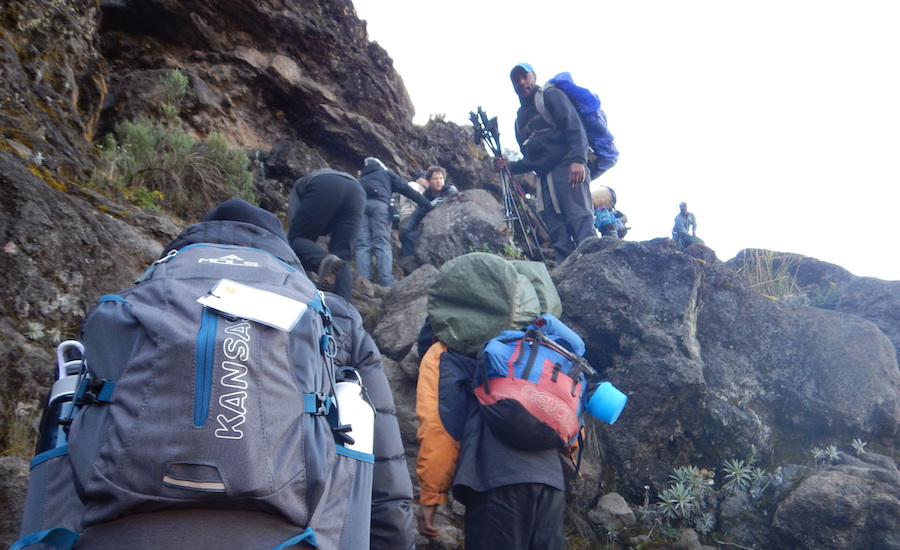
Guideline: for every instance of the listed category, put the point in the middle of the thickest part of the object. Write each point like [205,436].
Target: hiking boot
[328,270]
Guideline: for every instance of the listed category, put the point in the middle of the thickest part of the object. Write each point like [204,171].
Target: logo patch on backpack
[230,259]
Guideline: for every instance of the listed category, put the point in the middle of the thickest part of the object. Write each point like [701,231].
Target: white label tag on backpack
[245,302]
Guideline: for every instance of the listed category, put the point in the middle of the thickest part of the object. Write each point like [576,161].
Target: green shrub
[825,297]
[156,164]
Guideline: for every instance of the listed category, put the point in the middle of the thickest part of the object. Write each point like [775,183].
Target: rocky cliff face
[710,366]
[298,85]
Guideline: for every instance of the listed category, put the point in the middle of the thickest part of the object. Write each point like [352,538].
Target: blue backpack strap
[308,536]
[59,538]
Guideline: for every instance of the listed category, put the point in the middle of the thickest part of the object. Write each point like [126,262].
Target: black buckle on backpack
[93,390]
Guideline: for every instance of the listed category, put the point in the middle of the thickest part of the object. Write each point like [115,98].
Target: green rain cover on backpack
[477,296]
[537,273]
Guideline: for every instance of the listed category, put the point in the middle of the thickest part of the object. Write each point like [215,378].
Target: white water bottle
[59,408]
[354,410]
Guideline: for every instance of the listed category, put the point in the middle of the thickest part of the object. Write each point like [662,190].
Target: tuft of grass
[19,429]
[677,501]
[828,455]
[738,474]
[771,274]
[825,298]
[35,330]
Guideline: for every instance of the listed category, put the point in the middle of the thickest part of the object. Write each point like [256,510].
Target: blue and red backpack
[532,385]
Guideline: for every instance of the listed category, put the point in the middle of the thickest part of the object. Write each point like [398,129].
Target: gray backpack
[181,408]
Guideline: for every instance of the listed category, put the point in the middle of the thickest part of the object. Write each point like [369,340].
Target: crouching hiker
[438,190]
[685,230]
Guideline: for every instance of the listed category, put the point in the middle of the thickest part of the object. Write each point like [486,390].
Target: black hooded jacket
[381,184]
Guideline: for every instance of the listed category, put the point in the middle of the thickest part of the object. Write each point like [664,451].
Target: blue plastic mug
[606,403]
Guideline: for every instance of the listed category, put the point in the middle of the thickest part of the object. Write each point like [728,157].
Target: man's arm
[400,186]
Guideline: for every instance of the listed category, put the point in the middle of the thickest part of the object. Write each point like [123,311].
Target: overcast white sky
[778,122]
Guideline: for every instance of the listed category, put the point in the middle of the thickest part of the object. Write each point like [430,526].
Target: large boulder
[712,367]
[467,222]
[854,505]
[875,300]
[396,332]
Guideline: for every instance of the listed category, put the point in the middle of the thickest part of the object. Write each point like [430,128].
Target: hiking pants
[375,235]
[567,211]
[329,205]
[410,231]
[527,516]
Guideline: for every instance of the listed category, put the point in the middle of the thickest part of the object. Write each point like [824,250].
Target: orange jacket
[438,450]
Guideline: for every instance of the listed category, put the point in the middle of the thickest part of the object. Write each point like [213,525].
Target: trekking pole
[493,132]
[487,130]
[483,132]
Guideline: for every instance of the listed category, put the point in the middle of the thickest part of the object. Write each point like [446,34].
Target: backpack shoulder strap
[542,107]
[523,125]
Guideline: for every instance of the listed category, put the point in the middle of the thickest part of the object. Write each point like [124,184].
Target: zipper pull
[152,267]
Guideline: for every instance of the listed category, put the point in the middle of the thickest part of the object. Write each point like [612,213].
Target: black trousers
[526,516]
[330,205]
[575,220]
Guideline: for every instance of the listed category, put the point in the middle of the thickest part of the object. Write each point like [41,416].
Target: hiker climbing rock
[513,498]
[326,202]
[375,230]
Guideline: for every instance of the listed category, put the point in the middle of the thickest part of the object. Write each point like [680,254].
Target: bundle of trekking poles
[519,211]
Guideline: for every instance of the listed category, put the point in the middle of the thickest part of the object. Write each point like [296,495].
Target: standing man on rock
[326,202]
[557,153]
